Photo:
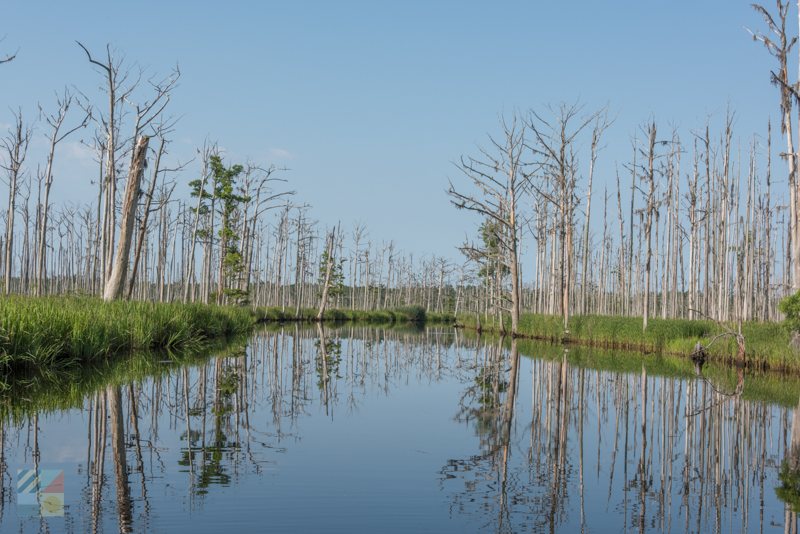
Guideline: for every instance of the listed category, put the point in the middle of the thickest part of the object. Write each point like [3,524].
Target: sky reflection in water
[414,431]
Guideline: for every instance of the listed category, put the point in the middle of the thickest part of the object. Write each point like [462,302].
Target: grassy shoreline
[48,392]
[64,331]
[759,386]
[405,314]
[768,344]
[59,332]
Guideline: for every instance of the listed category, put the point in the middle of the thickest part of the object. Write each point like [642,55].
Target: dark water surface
[416,430]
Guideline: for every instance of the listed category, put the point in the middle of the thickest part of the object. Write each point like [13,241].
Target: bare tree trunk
[145,217]
[650,207]
[116,282]
[55,123]
[499,202]
[780,50]
[767,271]
[583,308]
[16,146]
[629,302]
[323,300]
[190,267]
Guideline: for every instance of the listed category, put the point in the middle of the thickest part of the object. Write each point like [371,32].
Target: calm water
[416,430]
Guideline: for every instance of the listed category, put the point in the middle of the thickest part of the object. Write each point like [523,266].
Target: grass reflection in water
[474,433]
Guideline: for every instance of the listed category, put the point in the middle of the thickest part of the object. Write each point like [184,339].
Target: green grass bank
[768,344]
[63,331]
[759,386]
[404,314]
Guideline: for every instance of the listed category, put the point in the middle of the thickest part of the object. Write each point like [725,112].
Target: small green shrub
[412,314]
[790,306]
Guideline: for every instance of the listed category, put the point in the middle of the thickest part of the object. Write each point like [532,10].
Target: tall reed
[61,331]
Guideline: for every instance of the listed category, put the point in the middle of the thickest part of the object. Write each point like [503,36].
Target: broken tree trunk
[324,298]
[116,282]
[145,216]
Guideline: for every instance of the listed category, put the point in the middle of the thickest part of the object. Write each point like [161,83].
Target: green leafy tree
[790,306]
[198,190]
[337,276]
[488,232]
[492,268]
[789,490]
[232,264]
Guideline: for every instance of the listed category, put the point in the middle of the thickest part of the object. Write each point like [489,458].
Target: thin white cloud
[76,151]
[281,153]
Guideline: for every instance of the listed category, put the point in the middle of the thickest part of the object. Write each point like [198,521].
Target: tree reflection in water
[673,452]
[789,476]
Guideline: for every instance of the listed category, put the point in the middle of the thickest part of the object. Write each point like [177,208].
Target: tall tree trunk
[145,217]
[12,199]
[116,282]
[16,146]
[323,300]
[650,208]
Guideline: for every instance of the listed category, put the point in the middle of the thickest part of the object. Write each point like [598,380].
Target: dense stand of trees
[149,236]
[714,238]
[705,229]
[718,226]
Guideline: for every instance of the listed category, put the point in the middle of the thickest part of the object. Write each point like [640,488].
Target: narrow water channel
[356,429]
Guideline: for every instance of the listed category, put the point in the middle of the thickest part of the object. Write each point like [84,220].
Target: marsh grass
[766,343]
[59,332]
[759,386]
[404,314]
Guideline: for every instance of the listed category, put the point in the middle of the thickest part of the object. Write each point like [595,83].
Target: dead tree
[15,147]
[699,357]
[8,58]
[780,50]
[208,150]
[148,200]
[115,78]
[116,281]
[55,122]
[265,198]
[553,148]
[359,229]
[330,261]
[145,216]
[647,173]
[649,176]
[115,84]
[601,124]
[501,180]
[444,270]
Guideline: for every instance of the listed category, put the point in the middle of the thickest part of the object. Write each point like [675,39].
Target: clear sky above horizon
[370,103]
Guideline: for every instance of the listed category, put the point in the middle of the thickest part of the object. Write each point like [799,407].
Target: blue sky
[369,103]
